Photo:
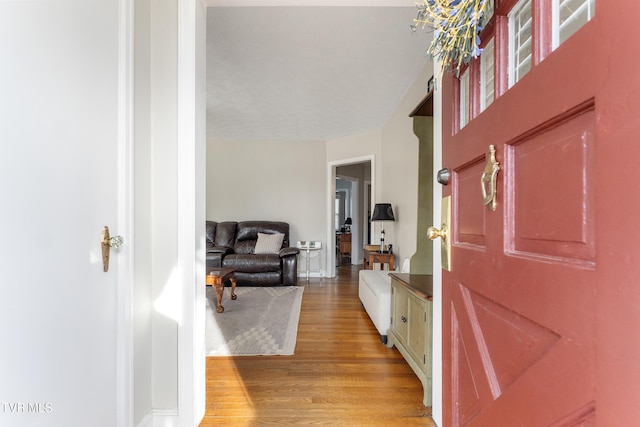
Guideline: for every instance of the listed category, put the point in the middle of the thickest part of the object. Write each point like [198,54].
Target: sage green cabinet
[411,325]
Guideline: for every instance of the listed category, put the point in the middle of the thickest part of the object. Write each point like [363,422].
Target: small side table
[306,246]
[372,257]
[216,278]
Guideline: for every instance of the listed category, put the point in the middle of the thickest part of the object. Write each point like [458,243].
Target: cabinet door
[400,312]
[417,330]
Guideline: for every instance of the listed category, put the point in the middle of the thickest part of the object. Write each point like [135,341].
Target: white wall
[398,171]
[395,148]
[169,233]
[269,180]
[354,146]
[162,166]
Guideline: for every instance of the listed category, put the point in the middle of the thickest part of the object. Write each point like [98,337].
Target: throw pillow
[268,243]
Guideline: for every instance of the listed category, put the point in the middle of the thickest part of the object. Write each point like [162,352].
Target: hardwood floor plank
[341,374]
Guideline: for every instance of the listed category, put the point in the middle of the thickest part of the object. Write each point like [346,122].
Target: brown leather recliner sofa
[232,244]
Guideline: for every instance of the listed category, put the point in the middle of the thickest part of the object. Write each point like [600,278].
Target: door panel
[553,212]
[417,318]
[470,213]
[401,308]
[59,132]
[519,329]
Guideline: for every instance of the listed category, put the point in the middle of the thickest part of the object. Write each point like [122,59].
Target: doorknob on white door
[107,243]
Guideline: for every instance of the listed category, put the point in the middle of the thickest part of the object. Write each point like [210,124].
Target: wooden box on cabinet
[411,328]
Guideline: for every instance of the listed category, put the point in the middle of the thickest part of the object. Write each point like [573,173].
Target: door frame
[190,210]
[331,191]
[125,219]
[354,212]
[436,379]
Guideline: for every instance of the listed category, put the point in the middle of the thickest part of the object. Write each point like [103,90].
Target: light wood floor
[341,374]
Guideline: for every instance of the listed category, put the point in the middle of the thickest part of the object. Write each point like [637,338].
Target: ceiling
[308,70]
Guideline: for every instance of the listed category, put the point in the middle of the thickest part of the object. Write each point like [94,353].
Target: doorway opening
[349,200]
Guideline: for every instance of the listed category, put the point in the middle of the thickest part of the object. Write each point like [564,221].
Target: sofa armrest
[223,250]
[288,251]
[215,254]
[289,266]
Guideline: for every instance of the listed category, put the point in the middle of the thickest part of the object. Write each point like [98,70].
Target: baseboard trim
[160,418]
[303,274]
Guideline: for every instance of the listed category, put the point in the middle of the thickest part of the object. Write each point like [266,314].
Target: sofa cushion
[268,278]
[211,233]
[268,243]
[248,230]
[226,233]
[252,263]
[244,247]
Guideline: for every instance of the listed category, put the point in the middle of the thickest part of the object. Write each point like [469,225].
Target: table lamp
[382,212]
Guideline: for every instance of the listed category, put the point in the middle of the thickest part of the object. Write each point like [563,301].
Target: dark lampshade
[382,212]
[348,221]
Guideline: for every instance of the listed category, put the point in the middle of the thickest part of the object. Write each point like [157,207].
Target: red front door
[542,302]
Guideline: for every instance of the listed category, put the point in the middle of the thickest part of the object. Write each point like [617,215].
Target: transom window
[506,60]
[569,16]
[464,98]
[520,39]
[487,75]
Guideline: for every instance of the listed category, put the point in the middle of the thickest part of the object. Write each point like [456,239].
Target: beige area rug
[262,321]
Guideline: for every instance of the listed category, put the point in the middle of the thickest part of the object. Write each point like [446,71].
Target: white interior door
[59,166]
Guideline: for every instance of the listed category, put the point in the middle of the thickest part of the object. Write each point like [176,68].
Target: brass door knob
[433,233]
[108,242]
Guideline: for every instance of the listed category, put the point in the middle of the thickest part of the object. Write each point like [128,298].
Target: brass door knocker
[489,178]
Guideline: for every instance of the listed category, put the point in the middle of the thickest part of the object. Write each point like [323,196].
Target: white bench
[374,290]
